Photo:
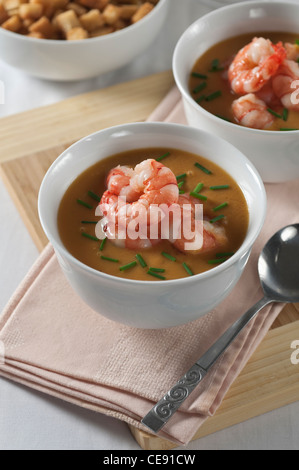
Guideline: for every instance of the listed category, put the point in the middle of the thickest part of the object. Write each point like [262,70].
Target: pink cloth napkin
[56,344]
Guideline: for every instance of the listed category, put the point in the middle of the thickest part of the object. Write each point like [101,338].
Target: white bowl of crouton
[76,39]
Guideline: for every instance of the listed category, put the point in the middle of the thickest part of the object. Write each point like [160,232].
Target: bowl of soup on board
[91,204]
[241,82]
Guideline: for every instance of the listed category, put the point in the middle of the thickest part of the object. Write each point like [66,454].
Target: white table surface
[32,420]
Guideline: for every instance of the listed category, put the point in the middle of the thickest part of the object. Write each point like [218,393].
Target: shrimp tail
[278,57]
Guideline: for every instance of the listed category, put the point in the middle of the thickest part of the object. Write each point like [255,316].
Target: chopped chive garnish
[180,184]
[89,222]
[152,273]
[219,217]
[223,255]
[186,267]
[157,270]
[162,156]
[83,203]
[198,196]
[94,196]
[287,129]
[220,186]
[217,261]
[168,256]
[141,261]
[223,117]
[103,244]
[297,60]
[202,168]
[198,188]
[285,114]
[200,87]
[279,116]
[214,95]
[91,237]
[183,175]
[297,42]
[221,206]
[215,66]
[181,191]
[199,75]
[128,266]
[201,98]
[113,260]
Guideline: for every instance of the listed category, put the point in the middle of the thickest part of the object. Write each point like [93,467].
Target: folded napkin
[56,344]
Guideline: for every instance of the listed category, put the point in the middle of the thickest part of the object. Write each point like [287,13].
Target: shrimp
[148,185]
[213,234]
[254,65]
[118,182]
[267,95]
[251,111]
[285,83]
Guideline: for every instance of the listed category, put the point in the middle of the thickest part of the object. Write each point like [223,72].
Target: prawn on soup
[122,187]
[250,80]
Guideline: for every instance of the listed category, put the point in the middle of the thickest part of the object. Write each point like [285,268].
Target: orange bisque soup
[251,80]
[224,206]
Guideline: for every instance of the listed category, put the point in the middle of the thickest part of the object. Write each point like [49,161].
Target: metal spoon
[278,268]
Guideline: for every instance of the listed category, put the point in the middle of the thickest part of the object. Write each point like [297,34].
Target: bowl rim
[185,93]
[103,38]
[244,248]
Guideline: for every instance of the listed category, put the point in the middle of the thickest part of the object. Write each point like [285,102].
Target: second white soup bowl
[274,153]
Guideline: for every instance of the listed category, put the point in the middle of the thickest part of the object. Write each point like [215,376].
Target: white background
[31,420]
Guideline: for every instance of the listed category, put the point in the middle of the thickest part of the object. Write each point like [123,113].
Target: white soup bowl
[150,304]
[275,154]
[64,60]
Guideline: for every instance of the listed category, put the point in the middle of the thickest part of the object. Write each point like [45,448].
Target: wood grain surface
[69,120]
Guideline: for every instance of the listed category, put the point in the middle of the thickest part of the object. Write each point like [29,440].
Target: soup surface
[76,218]
[210,87]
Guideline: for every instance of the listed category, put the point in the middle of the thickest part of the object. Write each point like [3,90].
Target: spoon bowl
[278,265]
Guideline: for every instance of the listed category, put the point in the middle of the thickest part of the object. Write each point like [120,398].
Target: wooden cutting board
[31,141]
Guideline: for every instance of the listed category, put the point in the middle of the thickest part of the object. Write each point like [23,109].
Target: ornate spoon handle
[169,404]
